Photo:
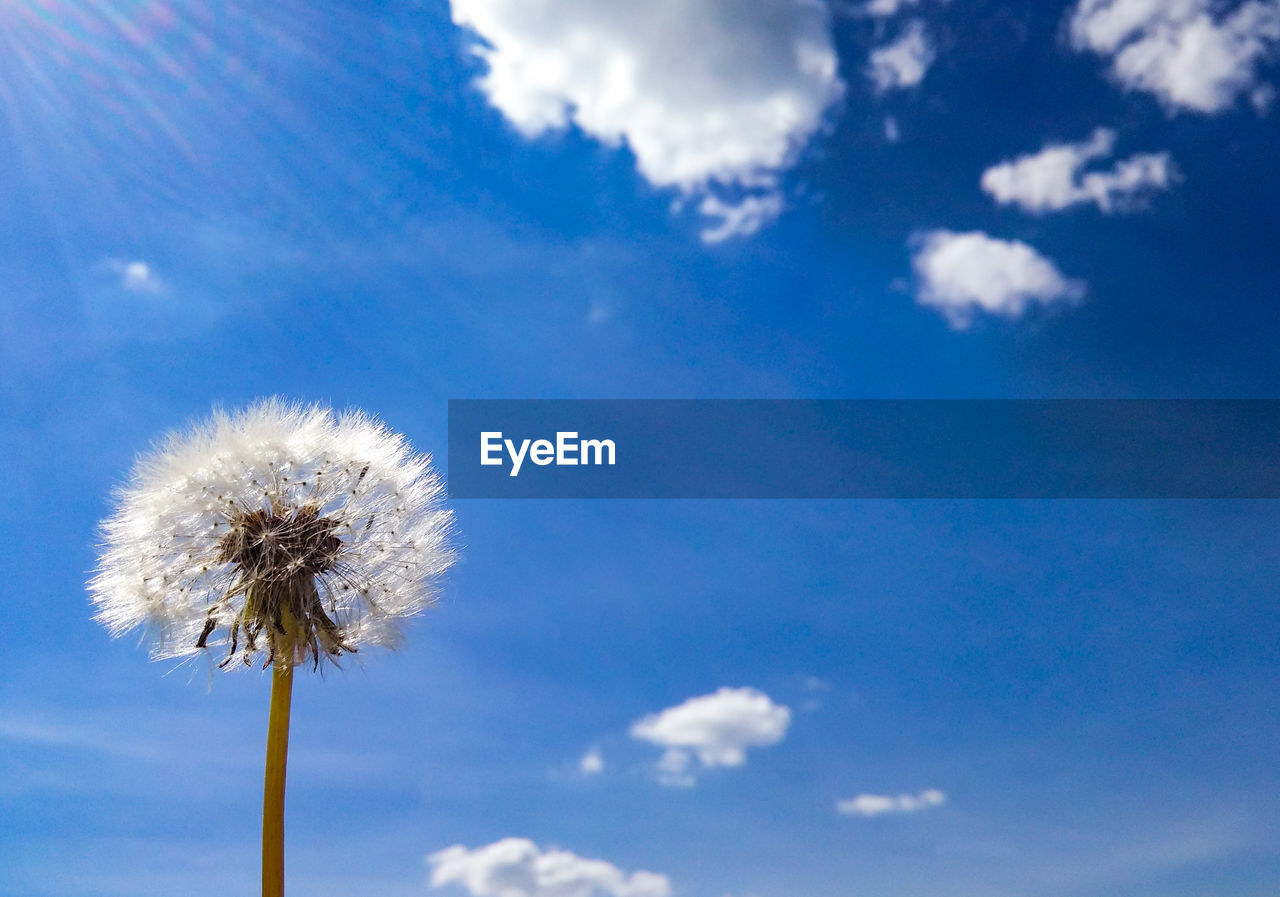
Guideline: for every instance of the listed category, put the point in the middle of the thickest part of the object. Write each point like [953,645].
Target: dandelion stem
[273,790]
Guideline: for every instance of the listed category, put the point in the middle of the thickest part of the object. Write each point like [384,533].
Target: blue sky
[352,205]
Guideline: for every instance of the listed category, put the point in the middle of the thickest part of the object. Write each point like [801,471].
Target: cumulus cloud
[1054,178]
[903,62]
[709,95]
[1192,54]
[516,867]
[135,276]
[870,805]
[714,729]
[592,763]
[960,274]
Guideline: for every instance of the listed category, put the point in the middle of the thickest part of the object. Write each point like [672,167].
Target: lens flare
[180,104]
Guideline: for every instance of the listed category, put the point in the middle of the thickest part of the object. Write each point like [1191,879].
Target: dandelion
[282,535]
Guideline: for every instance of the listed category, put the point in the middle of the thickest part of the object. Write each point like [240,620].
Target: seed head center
[276,544]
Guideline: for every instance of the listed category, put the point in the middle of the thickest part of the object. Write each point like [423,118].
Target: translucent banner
[864,449]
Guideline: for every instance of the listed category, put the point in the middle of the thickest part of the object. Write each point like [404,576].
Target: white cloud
[741,219]
[1052,179]
[592,763]
[892,133]
[135,276]
[516,867]
[1192,54]
[706,93]
[904,62]
[869,805]
[883,9]
[960,274]
[716,729]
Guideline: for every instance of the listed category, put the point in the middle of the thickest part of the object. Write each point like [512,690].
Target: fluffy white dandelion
[284,533]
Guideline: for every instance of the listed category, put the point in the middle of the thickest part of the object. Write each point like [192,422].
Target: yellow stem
[273,790]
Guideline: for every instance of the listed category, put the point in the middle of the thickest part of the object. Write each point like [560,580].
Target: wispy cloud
[1192,54]
[739,219]
[1054,178]
[715,730]
[903,62]
[719,106]
[592,763]
[961,274]
[814,686]
[78,737]
[517,867]
[869,805]
[892,132]
[135,275]
[131,299]
[883,9]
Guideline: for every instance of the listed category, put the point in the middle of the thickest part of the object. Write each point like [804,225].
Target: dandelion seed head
[283,533]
